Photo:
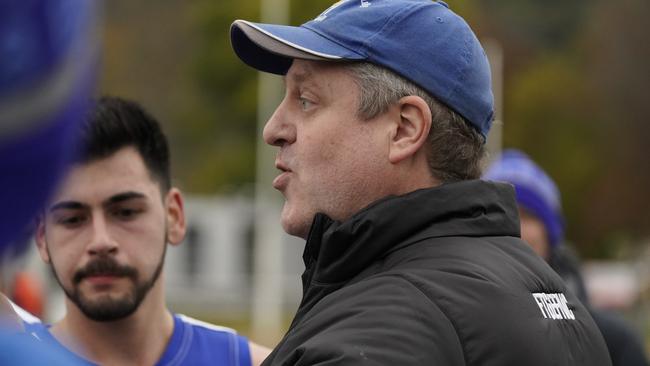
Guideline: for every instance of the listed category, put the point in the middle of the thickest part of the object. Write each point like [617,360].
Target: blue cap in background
[421,40]
[535,190]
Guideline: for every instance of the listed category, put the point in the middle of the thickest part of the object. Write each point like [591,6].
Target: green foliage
[223,132]
[546,117]
[577,103]
[543,24]
[304,11]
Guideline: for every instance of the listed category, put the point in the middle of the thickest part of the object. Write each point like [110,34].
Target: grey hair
[455,148]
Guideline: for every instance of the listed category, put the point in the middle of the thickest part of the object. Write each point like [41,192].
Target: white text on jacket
[553,306]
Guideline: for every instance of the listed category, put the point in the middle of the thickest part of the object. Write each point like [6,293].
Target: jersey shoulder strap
[195,342]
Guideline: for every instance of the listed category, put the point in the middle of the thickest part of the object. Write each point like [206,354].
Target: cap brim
[272,48]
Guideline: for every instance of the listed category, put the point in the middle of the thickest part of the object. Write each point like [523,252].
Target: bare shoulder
[258,353]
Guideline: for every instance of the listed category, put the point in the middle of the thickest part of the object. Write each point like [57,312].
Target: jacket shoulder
[378,321]
[506,304]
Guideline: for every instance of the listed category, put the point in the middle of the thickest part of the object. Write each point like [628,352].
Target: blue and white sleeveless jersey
[193,342]
[24,348]
[27,318]
[31,323]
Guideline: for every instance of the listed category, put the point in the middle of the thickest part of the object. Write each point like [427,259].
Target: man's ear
[411,130]
[176,226]
[39,238]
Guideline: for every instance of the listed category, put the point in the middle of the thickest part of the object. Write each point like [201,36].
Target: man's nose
[279,129]
[102,242]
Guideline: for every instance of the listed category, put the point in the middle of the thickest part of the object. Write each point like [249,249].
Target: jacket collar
[337,251]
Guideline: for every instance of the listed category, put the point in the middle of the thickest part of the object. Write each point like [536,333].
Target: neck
[141,338]
[418,176]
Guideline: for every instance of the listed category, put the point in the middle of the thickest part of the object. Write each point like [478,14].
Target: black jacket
[435,277]
[624,345]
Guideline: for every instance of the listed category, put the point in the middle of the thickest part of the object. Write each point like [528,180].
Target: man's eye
[126,213]
[71,220]
[305,103]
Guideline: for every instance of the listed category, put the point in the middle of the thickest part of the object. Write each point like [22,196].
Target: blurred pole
[495,56]
[267,297]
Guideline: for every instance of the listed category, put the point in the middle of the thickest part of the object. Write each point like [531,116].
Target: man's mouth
[280,182]
[102,279]
[104,270]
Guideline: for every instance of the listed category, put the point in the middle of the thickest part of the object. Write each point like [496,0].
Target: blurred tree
[226,119]
[174,57]
[616,53]
[148,56]
[578,106]
[548,116]
[543,24]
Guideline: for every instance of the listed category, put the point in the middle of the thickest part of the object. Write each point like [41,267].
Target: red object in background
[28,293]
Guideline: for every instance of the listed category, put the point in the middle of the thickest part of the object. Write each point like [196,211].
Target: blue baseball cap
[48,61]
[536,192]
[421,40]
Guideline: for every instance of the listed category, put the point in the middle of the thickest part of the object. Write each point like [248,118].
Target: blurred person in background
[542,227]
[410,258]
[48,56]
[105,235]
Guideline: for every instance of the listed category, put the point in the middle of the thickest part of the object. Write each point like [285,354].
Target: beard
[107,307]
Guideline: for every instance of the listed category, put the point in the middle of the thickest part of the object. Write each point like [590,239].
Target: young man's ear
[176,226]
[412,128]
[39,238]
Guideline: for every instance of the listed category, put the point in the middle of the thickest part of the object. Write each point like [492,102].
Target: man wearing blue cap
[410,260]
[542,226]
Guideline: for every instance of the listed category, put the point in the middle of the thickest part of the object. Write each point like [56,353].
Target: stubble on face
[336,159]
[108,307]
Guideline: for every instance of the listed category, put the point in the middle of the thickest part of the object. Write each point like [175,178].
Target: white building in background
[212,269]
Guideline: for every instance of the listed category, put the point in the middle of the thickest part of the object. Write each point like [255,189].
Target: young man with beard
[410,259]
[105,235]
